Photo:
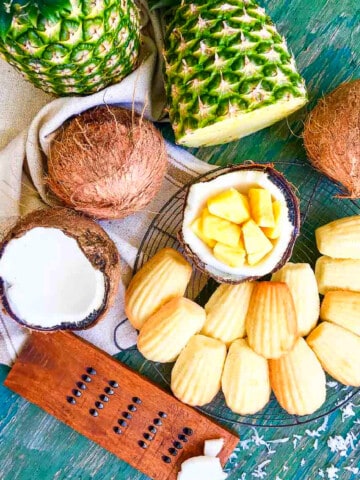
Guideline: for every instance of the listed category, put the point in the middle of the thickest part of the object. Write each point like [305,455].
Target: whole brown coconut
[107,162]
[94,242]
[332,137]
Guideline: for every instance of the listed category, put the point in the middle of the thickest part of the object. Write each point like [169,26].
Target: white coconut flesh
[48,280]
[242,180]
[201,468]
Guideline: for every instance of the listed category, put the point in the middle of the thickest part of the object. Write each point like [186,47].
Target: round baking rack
[320,204]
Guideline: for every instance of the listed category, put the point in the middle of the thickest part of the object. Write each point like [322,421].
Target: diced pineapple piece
[279,213]
[254,258]
[220,229]
[197,227]
[230,205]
[232,256]
[261,207]
[255,239]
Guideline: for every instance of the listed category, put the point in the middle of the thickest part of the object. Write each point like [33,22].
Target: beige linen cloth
[19,193]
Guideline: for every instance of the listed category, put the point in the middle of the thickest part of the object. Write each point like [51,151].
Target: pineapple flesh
[71,46]
[229,73]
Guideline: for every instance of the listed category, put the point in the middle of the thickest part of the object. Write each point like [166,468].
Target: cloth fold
[142,91]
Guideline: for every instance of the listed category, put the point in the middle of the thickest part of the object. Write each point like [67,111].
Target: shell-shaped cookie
[168,330]
[298,380]
[163,277]
[300,279]
[338,351]
[196,376]
[226,311]
[271,320]
[245,380]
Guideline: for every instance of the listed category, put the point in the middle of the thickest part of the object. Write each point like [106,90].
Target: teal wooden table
[325,38]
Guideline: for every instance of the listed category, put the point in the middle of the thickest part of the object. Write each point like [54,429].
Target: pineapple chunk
[234,257]
[197,228]
[255,239]
[230,205]
[220,229]
[279,212]
[261,207]
[254,258]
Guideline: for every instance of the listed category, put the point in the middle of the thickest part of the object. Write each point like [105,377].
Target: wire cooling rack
[319,204]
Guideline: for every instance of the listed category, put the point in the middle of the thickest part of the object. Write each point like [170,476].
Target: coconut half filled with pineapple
[242,224]
[58,270]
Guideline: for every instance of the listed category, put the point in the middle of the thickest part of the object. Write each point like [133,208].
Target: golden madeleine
[338,351]
[298,380]
[337,274]
[245,379]
[301,281]
[226,311]
[271,320]
[343,308]
[196,376]
[168,330]
[165,276]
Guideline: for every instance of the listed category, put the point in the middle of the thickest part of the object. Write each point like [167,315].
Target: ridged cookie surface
[271,320]
[196,376]
[245,380]
[168,330]
[163,277]
[338,351]
[298,380]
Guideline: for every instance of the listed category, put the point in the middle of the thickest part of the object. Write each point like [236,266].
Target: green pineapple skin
[75,51]
[225,62]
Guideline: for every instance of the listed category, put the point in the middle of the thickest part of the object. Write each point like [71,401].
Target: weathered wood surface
[325,38]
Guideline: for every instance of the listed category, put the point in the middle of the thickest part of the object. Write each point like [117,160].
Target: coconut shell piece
[294,217]
[332,137]
[107,162]
[94,242]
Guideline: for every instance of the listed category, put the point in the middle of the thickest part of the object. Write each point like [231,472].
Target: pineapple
[229,73]
[231,205]
[255,240]
[261,207]
[232,256]
[220,230]
[279,214]
[70,46]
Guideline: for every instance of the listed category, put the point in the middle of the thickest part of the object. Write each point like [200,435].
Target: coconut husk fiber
[107,162]
[332,137]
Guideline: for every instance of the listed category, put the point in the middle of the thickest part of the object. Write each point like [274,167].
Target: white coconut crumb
[332,384]
[357,421]
[244,444]
[285,468]
[347,411]
[340,445]
[259,471]
[321,473]
[353,470]
[243,476]
[332,472]
[277,478]
[303,462]
[316,444]
[317,432]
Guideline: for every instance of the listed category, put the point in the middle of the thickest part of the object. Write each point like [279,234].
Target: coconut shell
[294,211]
[94,242]
[107,162]
[332,137]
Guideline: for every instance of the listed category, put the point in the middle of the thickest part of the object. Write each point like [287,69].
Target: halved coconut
[241,177]
[58,270]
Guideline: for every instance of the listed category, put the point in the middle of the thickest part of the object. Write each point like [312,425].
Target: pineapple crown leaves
[50,9]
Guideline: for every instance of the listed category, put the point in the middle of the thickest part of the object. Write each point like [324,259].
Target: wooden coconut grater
[110,404]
